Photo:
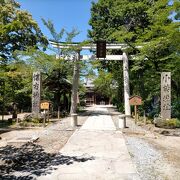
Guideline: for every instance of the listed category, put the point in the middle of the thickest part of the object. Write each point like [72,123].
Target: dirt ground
[52,138]
[170,148]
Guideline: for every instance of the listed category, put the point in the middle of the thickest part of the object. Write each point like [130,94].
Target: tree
[55,73]
[66,52]
[141,23]
[17,30]
[15,94]
[105,85]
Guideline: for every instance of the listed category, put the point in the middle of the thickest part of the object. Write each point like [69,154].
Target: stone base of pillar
[74,120]
[122,121]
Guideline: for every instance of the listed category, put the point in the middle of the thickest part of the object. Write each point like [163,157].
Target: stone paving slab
[100,122]
[104,152]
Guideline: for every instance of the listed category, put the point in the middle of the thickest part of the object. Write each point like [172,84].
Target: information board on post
[135,101]
[45,105]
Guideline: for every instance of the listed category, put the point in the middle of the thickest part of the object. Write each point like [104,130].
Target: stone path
[97,151]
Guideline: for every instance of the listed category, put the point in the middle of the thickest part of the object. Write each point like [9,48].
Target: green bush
[178,123]
[169,123]
[121,108]
[176,109]
[36,120]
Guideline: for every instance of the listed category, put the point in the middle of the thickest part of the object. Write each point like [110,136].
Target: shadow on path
[31,160]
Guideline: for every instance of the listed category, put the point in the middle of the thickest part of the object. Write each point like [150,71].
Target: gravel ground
[150,163]
[156,156]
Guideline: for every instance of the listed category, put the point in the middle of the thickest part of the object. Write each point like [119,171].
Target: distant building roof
[89,83]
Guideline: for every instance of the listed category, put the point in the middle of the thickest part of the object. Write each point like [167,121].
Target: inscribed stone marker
[36,93]
[166,95]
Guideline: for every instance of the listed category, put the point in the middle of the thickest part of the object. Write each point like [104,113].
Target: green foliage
[17,29]
[57,81]
[178,123]
[168,123]
[144,24]
[176,108]
[22,43]
[16,86]
[56,36]
[172,123]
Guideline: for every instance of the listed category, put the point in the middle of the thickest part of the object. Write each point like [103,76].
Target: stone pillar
[166,95]
[36,94]
[75,84]
[126,84]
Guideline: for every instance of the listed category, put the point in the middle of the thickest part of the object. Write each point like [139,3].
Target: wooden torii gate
[122,57]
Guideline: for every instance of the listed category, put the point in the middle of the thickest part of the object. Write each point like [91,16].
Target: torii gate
[122,57]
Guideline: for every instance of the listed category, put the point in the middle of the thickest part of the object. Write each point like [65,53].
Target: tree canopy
[148,25]
[18,30]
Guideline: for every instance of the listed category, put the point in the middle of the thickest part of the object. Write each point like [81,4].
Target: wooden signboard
[45,105]
[135,100]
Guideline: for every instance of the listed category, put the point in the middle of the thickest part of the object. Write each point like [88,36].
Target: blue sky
[66,14]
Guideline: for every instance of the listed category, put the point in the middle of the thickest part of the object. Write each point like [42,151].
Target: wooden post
[58,112]
[45,106]
[44,119]
[144,118]
[48,115]
[135,112]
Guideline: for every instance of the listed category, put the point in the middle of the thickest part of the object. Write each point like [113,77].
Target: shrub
[169,123]
[178,123]
[36,120]
[176,109]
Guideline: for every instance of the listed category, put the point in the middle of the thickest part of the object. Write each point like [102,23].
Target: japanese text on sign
[101,49]
[36,93]
[45,105]
[166,95]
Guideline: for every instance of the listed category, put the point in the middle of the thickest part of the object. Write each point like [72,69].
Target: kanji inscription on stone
[166,95]
[36,93]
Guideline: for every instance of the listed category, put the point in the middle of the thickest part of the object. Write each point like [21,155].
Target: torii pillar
[126,84]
